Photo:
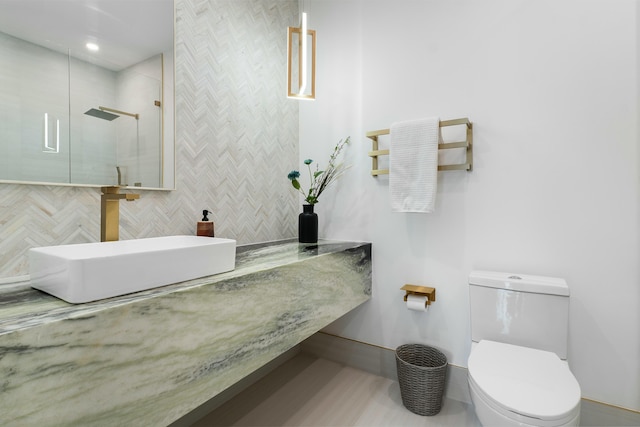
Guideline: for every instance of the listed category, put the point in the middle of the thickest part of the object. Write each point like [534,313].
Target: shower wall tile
[236,139]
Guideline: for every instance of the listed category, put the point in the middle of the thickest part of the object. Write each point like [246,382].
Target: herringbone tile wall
[236,139]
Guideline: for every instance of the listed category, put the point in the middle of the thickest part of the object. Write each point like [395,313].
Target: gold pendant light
[301,48]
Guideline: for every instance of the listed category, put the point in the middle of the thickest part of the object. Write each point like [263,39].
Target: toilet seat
[525,384]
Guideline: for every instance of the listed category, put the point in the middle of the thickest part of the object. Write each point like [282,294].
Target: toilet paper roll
[417,302]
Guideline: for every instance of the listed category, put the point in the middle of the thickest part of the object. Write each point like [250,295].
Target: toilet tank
[530,311]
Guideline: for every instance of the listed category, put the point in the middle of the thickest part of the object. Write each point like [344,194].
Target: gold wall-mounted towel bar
[467,143]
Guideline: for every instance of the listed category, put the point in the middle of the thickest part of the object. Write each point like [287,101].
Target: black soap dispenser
[205,227]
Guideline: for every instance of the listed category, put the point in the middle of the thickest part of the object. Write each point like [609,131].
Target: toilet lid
[527,381]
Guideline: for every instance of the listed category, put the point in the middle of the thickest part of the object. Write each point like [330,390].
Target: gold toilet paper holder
[427,291]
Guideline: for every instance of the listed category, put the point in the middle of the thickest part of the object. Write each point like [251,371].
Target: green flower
[320,179]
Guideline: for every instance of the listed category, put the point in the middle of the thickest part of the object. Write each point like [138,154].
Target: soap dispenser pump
[205,227]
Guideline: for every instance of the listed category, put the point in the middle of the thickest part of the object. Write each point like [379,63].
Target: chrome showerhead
[101,114]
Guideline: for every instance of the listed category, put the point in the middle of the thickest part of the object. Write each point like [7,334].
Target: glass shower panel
[34,130]
[139,90]
[116,123]
[93,135]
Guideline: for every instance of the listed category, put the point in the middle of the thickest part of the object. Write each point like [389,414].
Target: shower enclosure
[119,124]
[61,122]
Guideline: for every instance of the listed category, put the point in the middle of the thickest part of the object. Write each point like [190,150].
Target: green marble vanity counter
[151,357]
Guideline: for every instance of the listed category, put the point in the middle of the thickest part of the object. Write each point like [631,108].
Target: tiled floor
[307,391]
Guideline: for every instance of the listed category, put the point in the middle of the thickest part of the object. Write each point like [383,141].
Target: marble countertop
[149,358]
[23,307]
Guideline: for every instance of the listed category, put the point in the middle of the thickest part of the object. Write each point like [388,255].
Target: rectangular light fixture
[48,145]
[301,50]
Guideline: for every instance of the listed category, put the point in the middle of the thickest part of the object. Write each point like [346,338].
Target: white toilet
[518,372]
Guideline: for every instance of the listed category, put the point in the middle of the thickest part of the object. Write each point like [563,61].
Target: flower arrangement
[320,179]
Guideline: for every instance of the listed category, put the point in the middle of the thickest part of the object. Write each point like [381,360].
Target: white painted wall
[552,90]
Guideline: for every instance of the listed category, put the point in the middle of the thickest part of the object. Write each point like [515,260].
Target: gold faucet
[110,212]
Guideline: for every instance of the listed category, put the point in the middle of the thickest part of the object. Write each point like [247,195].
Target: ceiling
[127,31]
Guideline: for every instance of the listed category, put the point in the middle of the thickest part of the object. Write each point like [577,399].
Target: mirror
[87,92]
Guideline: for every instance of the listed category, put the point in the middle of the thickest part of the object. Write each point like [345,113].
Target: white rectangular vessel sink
[93,271]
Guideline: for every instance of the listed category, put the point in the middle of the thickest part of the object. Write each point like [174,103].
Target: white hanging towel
[413,165]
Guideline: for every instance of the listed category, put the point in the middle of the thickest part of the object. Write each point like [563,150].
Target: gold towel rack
[467,143]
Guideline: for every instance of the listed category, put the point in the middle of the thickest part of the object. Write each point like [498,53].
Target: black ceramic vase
[308,225]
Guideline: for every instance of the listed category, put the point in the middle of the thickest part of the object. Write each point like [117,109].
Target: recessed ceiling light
[92,47]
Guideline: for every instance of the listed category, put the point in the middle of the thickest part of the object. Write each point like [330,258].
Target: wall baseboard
[381,361]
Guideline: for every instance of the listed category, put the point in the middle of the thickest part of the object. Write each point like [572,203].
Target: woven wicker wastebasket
[421,372]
